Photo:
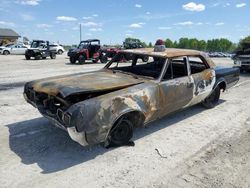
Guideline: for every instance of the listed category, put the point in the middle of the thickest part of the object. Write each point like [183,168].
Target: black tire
[43,57]
[27,57]
[95,60]
[104,59]
[6,52]
[212,100]
[60,52]
[121,133]
[81,59]
[145,58]
[72,60]
[53,56]
[38,57]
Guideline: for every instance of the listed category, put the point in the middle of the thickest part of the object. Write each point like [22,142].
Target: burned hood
[102,80]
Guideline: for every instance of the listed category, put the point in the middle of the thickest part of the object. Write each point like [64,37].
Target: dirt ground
[192,148]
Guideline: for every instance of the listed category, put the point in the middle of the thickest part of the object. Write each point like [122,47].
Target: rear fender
[222,83]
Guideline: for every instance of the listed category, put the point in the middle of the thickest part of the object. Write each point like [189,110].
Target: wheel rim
[214,97]
[121,133]
[81,59]
[104,59]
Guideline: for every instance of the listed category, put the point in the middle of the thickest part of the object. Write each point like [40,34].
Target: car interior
[176,69]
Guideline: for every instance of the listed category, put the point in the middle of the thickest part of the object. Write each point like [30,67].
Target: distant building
[7,36]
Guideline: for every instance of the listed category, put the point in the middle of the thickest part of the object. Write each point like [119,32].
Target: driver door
[176,88]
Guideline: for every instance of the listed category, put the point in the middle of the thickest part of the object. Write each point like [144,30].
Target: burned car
[105,106]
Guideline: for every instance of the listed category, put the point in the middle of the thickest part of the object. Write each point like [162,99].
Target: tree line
[213,45]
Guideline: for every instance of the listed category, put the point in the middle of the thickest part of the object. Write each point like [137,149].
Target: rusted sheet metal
[88,119]
[81,83]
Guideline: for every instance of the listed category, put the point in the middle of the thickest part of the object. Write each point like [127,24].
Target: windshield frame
[158,79]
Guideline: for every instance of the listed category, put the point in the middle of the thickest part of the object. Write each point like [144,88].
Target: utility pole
[80,32]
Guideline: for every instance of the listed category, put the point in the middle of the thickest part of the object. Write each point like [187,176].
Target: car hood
[91,82]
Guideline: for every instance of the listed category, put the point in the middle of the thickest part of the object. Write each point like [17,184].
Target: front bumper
[79,137]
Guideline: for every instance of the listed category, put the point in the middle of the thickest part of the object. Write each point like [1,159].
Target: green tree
[150,45]
[183,43]
[202,45]
[244,41]
[169,43]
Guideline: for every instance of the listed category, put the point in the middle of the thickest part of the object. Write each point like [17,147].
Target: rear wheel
[60,52]
[81,59]
[104,59]
[6,52]
[121,133]
[95,60]
[213,99]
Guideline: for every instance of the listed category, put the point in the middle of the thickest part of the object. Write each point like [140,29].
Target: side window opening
[177,68]
[197,64]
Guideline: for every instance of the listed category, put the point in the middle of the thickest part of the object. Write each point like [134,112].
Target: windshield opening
[83,45]
[37,44]
[137,65]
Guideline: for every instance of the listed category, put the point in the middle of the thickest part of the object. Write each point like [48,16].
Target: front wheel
[212,100]
[6,52]
[81,59]
[53,56]
[121,133]
[27,57]
[72,60]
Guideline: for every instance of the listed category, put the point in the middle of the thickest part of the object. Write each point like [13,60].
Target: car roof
[91,40]
[170,53]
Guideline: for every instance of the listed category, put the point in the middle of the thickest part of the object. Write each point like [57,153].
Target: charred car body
[129,95]
[40,49]
[87,50]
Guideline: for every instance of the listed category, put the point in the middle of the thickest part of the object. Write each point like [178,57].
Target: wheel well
[222,85]
[136,117]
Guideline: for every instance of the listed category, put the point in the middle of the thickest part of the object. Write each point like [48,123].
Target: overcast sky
[113,20]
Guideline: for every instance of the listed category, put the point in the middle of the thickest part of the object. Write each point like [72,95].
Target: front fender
[96,116]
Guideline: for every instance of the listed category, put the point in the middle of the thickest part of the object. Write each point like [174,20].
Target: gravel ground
[192,148]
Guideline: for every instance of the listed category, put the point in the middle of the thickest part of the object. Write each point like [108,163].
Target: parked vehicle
[57,47]
[40,49]
[105,106]
[107,53]
[17,49]
[87,50]
[242,57]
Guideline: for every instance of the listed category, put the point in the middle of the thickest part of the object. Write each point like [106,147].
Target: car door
[176,87]
[14,49]
[22,50]
[203,76]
